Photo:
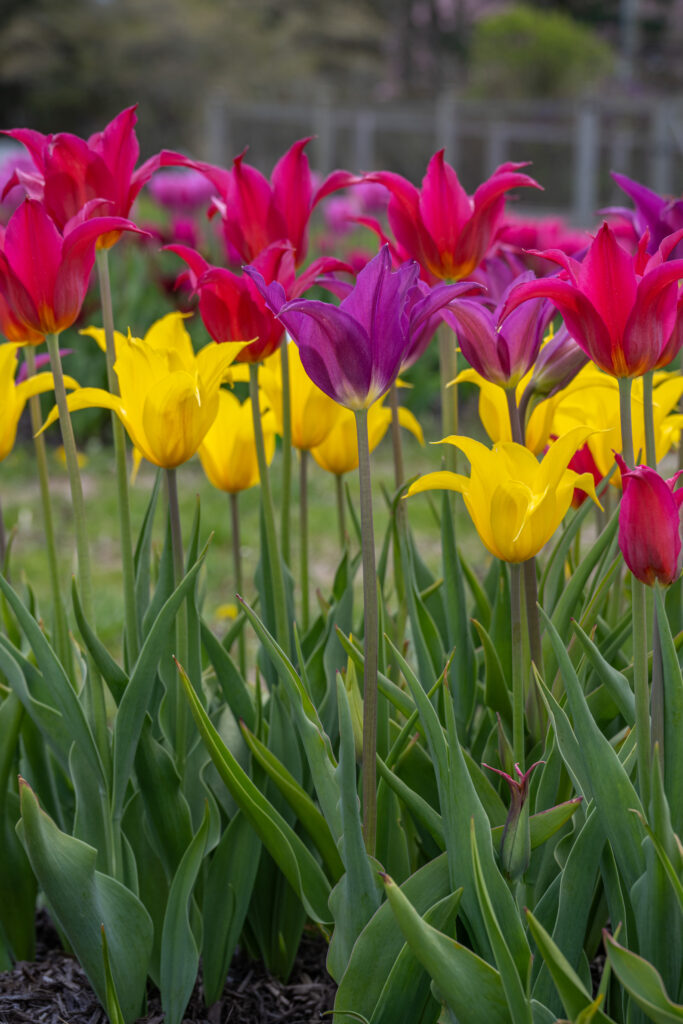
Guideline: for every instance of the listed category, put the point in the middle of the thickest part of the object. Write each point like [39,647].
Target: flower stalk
[181,618]
[303,537]
[286,454]
[237,569]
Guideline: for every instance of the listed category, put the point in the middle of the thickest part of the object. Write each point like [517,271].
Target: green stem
[649,420]
[237,568]
[371,636]
[657,729]
[274,558]
[132,641]
[303,537]
[517,663]
[95,689]
[182,646]
[341,509]
[639,613]
[396,441]
[61,624]
[286,454]
[448,363]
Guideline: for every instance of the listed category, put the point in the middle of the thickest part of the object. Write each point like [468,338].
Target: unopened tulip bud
[558,363]
[650,524]
[515,847]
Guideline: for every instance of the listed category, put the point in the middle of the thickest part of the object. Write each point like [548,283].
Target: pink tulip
[650,524]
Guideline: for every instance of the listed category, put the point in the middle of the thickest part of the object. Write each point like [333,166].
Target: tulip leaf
[497,695]
[82,900]
[233,687]
[553,579]
[113,1005]
[298,799]
[482,603]
[169,823]
[227,892]
[141,558]
[575,998]
[66,700]
[416,804]
[112,673]
[469,985]
[544,824]
[294,859]
[612,789]
[458,634]
[179,952]
[47,719]
[135,700]
[643,982]
[615,682]
[672,716]
[380,943]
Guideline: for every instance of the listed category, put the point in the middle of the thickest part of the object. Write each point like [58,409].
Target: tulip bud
[557,364]
[650,524]
[356,707]
[515,847]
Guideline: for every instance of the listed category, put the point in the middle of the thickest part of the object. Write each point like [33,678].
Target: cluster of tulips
[473,785]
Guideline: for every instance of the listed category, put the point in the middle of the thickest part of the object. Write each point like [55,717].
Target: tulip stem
[303,536]
[237,568]
[181,618]
[399,472]
[341,508]
[95,691]
[517,663]
[125,529]
[63,643]
[448,362]
[649,419]
[286,453]
[371,636]
[657,728]
[639,612]
[274,558]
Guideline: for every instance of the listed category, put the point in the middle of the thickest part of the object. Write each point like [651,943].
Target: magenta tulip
[621,309]
[650,524]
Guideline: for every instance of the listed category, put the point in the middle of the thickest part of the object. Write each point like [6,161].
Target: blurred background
[578,87]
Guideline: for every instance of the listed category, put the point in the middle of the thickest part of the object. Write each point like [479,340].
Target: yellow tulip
[495,417]
[228,452]
[13,396]
[169,395]
[338,453]
[313,413]
[515,501]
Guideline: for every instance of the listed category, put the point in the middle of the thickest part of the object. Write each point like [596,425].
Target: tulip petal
[293,193]
[441,480]
[445,206]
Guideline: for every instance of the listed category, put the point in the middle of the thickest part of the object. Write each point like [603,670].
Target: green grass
[22,512]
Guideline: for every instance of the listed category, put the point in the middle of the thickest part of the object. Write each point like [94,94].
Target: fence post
[661,116]
[216,130]
[586,164]
[325,130]
[364,140]
[446,126]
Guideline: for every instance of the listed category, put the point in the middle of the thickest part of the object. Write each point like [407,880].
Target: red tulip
[256,212]
[448,232]
[650,524]
[44,274]
[70,171]
[623,310]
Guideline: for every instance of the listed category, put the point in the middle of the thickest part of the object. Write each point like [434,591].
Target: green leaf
[573,993]
[143,547]
[643,982]
[496,690]
[112,673]
[296,862]
[458,636]
[47,719]
[469,985]
[179,952]
[233,687]
[169,823]
[673,717]
[615,681]
[545,824]
[416,804]
[82,900]
[113,1005]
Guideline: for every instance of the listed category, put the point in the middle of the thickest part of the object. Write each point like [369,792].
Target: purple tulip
[500,348]
[558,363]
[659,215]
[355,351]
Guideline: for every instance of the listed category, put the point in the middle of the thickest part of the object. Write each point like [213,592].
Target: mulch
[53,989]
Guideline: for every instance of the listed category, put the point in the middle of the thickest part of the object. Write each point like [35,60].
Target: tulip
[621,309]
[228,451]
[71,172]
[169,396]
[314,413]
[515,846]
[494,412]
[650,524]
[448,232]
[46,295]
[256,212]
[516,502]
[658,215]
[557,364]
[15,394]
[338,453]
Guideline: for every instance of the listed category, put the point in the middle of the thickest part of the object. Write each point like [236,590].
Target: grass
[22,513]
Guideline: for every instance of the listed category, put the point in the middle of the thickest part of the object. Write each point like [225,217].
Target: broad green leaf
[553,579]
[575,998]
[469,985]
[169,822]
[113,1005]
[416,804]
[496,690]
[47,719]
[615,681]
[673,717]
[458,636]
[143,547]
[179,952]
[544,824]
[82,900]
[233,687]
[643,982]
[294,859]
[112,673]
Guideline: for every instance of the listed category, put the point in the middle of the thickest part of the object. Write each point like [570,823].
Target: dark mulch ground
[54,990]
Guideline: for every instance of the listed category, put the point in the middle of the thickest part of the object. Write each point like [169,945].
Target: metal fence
[571,146]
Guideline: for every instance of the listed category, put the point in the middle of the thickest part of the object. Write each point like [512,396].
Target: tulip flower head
[169,396]
[338,453]
[659,215]
[228,451]
[313,413]
[448,232]
[45,295]
[71,172]
[650,524]
[516,502]
[14,393]
[623,310]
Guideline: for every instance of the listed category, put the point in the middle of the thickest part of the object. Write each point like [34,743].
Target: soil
[53,989]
